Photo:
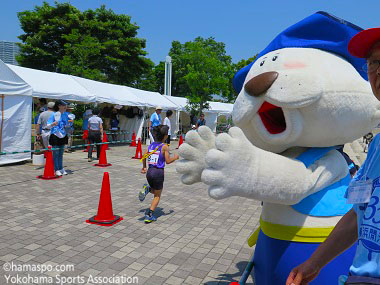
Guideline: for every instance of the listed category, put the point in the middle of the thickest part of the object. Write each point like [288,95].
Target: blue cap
[61,103]
[321,31]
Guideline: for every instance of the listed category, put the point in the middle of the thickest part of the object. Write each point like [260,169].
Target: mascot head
[305,89]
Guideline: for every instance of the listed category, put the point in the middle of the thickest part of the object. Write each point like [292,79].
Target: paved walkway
[196,239]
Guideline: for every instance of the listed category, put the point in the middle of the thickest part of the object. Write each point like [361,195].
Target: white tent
[110,93]
[153,99]
[15,116]
[120,95]
[216,109]
[19,84]
[211,115]
[126,96]
[53,85]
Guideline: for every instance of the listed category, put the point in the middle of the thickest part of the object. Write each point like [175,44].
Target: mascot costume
[302,97]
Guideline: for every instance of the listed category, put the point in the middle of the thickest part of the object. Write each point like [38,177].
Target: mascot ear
[240,76]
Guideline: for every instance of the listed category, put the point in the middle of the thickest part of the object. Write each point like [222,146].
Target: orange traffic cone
[49,173]
[103,157]
[180,141]
[138,154]
[105,216]
[133,139]
[105,140]
[85,138]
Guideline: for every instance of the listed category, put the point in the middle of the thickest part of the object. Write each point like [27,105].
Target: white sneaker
[63,171]
[58,173]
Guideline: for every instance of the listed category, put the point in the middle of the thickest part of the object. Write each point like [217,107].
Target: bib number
[153,158]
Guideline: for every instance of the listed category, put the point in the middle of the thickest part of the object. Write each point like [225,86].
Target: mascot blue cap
[321,31]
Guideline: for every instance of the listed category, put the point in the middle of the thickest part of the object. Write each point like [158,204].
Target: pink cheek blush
[294,65]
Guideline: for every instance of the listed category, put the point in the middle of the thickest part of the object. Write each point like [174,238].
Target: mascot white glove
[238,168]
[193,152]
[231,166]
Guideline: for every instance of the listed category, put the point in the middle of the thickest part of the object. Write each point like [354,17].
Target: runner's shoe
[148,219]
[144,192]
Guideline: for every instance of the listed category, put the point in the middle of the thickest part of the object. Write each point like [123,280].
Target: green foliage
[200,68]
[96,44]
[78,122]
[153,80]
[244,62]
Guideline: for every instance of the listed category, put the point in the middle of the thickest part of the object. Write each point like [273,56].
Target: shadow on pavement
[157,213]
[227,278]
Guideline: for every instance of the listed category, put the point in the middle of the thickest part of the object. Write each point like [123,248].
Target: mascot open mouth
[273,118]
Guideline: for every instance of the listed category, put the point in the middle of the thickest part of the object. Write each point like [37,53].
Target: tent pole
[2,121]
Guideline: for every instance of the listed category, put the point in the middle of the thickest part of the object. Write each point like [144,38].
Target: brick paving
[196,239]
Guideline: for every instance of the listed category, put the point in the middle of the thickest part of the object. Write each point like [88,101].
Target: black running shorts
[155,177]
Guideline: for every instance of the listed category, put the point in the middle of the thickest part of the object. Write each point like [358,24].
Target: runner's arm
[144,160]
[169,159]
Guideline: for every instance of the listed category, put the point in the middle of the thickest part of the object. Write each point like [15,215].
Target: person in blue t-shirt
[58,136]
[86,116]
[201,121]
[362,223]
[155,120]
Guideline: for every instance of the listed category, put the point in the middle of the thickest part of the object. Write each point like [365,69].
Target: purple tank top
[156,159]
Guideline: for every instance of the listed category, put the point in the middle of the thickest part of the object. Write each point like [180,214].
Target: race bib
[359,192]
[153,158]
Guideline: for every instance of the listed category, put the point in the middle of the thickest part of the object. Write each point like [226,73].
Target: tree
[96,44]
[236,67]
[244,62]
[153,79]
[200,68]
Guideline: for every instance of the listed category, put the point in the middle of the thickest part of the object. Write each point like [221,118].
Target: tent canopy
[37,83]
[110,93]
[215,107]
[153,99]
[220,108]
[181,102]
[52,85]
[11,83]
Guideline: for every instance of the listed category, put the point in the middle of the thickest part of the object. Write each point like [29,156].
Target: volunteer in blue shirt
[58,136]
[86,116]
[155,120]
[201,121]
[362,223]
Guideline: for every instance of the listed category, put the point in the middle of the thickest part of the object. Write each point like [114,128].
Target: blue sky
[246,27]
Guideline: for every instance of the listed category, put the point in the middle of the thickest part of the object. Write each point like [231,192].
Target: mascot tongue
[272,118]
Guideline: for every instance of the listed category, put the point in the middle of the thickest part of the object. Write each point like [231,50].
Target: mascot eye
[262,63]
[274,58]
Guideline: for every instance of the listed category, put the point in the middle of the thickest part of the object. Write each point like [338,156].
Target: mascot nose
[260,83]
